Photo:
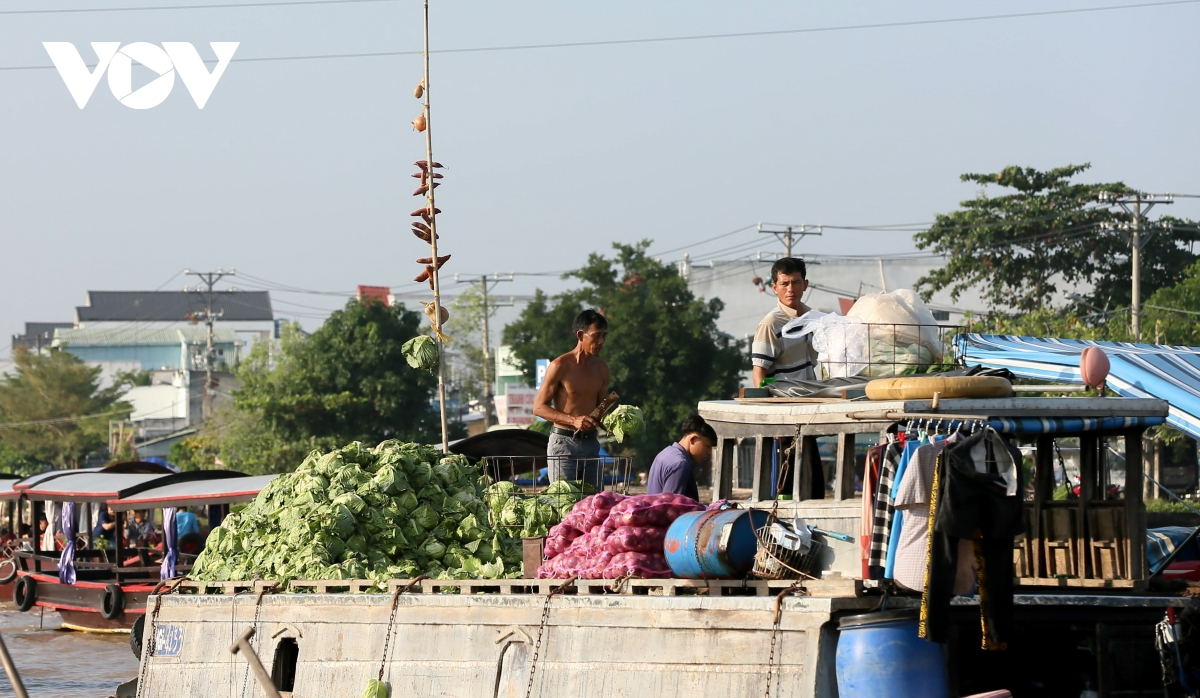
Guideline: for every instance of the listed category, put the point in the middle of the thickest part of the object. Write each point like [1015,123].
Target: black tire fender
[8,570]
[114,602]
[135,635]
[25,593]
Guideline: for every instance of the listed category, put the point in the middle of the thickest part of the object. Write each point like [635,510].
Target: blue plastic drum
[713,544]
[880,656]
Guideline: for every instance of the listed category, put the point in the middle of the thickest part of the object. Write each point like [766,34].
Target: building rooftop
[172,306]
[107,337]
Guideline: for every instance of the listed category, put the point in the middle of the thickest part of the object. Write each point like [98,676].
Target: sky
[297,172]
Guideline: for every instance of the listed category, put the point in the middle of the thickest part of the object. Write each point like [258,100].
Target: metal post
[487,383]
[11,669]
[1136,259]
[437,286]
[787,242]
[208,360]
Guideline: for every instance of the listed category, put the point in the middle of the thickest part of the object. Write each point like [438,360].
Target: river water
[57,663]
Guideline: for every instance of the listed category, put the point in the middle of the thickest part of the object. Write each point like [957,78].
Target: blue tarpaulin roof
[1138,370]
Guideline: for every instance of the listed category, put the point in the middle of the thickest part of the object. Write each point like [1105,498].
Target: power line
[619,42]
[222,6]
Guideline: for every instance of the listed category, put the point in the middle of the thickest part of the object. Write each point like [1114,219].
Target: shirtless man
[574,384]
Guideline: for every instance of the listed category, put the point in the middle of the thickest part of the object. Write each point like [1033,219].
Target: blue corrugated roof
[1138,370]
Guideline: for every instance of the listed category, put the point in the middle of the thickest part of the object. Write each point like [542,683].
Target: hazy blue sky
[298,171]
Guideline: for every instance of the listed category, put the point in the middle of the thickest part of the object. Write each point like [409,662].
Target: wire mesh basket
[542,489]
[884,350]
[776,561]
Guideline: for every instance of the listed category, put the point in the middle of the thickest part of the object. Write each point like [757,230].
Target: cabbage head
[624,423]
[421,352]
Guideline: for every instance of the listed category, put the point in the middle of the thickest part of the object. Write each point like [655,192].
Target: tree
[53,410]
[1172,314]
[1019,247]
[240,439]
[347,381]
[664,350]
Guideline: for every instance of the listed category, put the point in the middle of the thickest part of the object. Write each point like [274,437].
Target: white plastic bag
[902,333]
[841,342]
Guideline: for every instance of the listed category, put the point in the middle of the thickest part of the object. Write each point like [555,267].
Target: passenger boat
[111,585]
[697,638]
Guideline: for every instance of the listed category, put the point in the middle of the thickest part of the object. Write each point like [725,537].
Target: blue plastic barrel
[713,544]
[880,656]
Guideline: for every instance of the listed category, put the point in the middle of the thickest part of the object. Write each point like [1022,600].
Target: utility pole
[489,407]
[1137,205]
[788,231]
[209,279]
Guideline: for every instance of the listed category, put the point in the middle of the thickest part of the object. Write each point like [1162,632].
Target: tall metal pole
[437,286]
[1136,260]
[487,381]
[787,242]
[208,358]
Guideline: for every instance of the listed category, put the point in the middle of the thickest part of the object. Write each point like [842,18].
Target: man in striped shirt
[772,354]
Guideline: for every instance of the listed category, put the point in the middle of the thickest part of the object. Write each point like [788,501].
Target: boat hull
[80,604]
[483,645]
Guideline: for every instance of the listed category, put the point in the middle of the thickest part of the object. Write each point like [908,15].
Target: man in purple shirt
[672,470]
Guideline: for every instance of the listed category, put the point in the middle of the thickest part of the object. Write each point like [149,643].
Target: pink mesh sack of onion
[607,536]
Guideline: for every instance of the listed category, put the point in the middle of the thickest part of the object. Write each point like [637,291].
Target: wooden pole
[11,669]
[436,320]
[264,679]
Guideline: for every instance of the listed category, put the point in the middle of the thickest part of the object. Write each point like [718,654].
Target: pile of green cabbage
[516,513]
[625,422]
[393,512]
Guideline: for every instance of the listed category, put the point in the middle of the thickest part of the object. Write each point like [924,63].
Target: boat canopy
[38,478]
[1168,373]
[79,486]
[6,489]
[195,493]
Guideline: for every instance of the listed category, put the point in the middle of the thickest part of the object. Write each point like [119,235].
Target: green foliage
[663,347]
[1019,246]
[17,463]
[346,514]
[1161,316]
[349,380]
[1168,506]
[53,410]
[239,439]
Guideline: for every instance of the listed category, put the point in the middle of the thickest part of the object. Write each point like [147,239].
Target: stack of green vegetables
[517,513]
[397,511]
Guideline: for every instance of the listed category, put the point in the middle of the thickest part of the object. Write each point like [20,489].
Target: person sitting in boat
[140,531]
[186,523]
[673,469]
[106,527]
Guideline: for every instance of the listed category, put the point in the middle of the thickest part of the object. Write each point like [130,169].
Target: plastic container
[713,544]
[880,656]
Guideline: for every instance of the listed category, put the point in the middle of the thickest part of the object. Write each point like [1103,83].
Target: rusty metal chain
[537,648]
[387,638]
[148,650]
[795,587]
[264,589]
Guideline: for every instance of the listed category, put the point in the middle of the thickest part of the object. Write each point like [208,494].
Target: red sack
[658,510]
[638,565]
[636,539]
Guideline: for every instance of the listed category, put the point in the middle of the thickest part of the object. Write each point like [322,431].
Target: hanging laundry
[881,527]
[974,499]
